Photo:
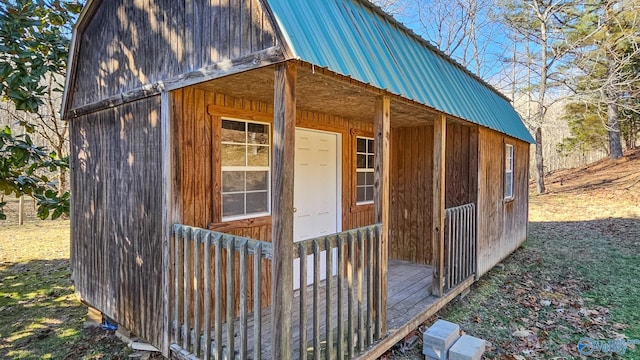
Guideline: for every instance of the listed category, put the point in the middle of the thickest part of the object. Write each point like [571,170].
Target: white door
[316,194]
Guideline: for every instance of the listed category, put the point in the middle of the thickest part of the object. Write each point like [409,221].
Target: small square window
[364,170]
[246,157]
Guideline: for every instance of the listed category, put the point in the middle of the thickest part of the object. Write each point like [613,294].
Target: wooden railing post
[382,133]
[437,231]
[284,124]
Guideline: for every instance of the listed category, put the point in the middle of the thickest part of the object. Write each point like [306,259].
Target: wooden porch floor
[409,304]
[408,296]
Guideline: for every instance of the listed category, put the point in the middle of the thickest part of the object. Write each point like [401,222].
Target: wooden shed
[281,179]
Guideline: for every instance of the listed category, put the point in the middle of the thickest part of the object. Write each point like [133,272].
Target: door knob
[295,210]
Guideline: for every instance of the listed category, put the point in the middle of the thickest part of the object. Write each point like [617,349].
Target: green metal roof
[356,39]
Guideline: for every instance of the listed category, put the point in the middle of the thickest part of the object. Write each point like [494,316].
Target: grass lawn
[40,317]
[577,276]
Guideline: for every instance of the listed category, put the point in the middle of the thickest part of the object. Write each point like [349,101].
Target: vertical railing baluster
[243,300]
[302,250]
[473,239]
[449,235]
[361,299]
[177,326]
[458,246]
[316,302]
[340,342]
[378,283]
[196,292]
[468,238]
[219,298]
[351,297]
[177,282]
[231,306]
[328,297]
[207,297]
[187,289]
[257,303]
[370,270]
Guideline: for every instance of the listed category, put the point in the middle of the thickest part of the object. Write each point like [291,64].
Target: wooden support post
[168,216]
[474,189]
[382,133]
[284,125]
[437,232]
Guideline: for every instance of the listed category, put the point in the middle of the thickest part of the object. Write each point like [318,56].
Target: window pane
[258,134]
[362,161]
[256,202]
[362,145]
[233,131]
[370,163]
[257,180]
[232,204]
[370,146]
[233,155]
[369,193]
[232,181]
[369,178]
[258,155]
[360,194]
[362,178]
[508,185]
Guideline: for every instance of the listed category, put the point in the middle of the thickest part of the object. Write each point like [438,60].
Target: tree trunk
[539,162]
[611,93]
[615,144]
[62,180]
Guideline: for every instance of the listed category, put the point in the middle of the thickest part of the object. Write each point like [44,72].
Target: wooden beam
[168,214]
[252,61]
[474,185]
[284,126]
[437,231]
[382,136]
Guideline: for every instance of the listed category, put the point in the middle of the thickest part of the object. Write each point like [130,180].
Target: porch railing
[206,280]
[460,244]
[218,310]
[349,298]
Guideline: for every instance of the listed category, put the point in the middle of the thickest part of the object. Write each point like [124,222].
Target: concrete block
[438,339]
[467,348]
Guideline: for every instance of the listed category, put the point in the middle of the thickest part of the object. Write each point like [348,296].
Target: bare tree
[540,23]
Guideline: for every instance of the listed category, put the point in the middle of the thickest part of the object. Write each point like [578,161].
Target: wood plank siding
[198,114]
[411,199]
[116,214]
[129,44]
[458,189]
[502,224]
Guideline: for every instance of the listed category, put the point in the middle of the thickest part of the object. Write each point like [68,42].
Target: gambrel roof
[353,38]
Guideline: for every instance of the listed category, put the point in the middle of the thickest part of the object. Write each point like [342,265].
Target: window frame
[508,170]
[371,170]
[244,168]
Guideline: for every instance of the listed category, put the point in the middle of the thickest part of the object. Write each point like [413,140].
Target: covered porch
[390,263]
[343,308]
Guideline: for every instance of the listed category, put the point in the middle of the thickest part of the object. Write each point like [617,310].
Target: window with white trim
[364,170]
[508,171]
[246,158]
